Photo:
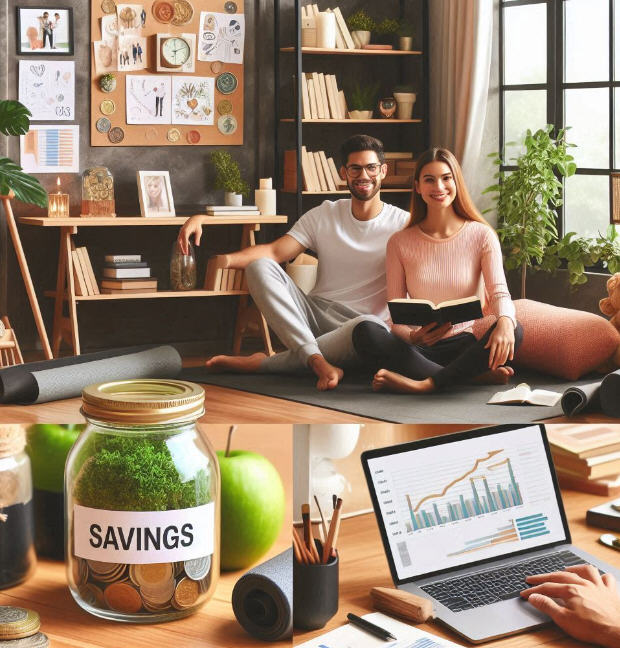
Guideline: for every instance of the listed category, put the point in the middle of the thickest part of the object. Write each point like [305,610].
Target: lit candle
[58,203]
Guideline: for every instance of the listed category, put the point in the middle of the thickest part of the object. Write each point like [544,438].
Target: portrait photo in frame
[155,192]
[45,30]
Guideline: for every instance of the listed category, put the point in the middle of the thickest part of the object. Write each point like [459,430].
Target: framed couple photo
[45,30]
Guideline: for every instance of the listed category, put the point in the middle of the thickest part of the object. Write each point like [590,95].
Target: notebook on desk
[465,517]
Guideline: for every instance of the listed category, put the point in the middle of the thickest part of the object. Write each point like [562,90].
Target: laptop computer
[465,517]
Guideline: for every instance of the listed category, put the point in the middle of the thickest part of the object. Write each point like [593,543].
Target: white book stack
[321,98]
[343,35]
[320,172]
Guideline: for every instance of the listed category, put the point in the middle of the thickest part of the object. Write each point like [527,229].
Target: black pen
[371,628]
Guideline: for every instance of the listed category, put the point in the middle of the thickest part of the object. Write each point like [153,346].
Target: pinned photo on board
[148,99]
[47,30]
[221,37]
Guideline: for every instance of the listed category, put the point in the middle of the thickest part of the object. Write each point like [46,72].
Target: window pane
[587,40]
[525,44]
[587,112]
[586,205]
[523,109]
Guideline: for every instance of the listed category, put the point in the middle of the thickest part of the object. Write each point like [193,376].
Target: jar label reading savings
[139,537]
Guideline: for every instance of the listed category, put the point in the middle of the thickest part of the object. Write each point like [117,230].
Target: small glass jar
[17,557]
[182,268]
[142,491]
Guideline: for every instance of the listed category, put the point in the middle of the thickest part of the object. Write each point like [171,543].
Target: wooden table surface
[363,565]
[214,626]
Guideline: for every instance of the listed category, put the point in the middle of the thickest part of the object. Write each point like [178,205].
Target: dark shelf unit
[290,127]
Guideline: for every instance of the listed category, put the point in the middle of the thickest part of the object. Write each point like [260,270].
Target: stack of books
[224,278]
[344,39]
[401,167]
[319,172]
[587,457]
[83,274]
[125,274]
[229,211]
[321,98]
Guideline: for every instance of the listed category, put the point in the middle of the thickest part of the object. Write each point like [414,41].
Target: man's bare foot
[236,364]
[385,380]
[328,375]
[499,376]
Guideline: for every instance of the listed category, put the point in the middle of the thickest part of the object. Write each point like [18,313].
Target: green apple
[48,447]
[252,507]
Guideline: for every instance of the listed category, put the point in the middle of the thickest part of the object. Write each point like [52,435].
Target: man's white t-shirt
[351,253]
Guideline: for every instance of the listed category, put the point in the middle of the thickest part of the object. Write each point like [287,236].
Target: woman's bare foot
[499,376]
[328,375]
[236,364]
[385,380]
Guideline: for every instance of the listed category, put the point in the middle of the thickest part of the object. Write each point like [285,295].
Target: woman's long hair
[463,205]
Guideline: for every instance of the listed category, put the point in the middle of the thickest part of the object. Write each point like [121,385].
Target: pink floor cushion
[559,341]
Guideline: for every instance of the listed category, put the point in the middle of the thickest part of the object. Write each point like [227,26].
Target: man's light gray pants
[305,325]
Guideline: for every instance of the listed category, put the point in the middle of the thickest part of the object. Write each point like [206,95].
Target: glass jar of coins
[142,490]
[98,193]
[17,557]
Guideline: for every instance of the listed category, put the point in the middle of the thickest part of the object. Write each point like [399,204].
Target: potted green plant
[405,36]
[362,100]
[385,31]
[405,100]
[228,178]
[15,120]
[526,201]
[360,25]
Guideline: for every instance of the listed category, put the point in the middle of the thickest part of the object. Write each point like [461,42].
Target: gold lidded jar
[142,503]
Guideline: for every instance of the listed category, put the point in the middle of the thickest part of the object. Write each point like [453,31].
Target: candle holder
[58,205]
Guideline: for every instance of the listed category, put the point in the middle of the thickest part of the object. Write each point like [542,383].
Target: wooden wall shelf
[152,295]
[355,52]
[138,221]
[345,192]
[354,121]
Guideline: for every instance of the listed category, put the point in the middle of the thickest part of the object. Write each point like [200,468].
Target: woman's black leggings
[452,360]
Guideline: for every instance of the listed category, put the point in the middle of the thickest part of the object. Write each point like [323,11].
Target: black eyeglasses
[355,170]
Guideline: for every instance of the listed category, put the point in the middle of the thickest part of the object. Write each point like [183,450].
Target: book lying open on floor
[522,394]
[422,311]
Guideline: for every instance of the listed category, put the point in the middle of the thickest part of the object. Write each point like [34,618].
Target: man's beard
[364,197]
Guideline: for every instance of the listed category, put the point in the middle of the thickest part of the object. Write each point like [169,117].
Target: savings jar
[142,490]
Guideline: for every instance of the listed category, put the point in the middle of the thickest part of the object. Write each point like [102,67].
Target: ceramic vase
[360,38]
[232,199]
[405,102]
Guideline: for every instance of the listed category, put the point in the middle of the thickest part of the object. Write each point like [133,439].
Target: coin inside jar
[186,593]
[122,597]
[197,568]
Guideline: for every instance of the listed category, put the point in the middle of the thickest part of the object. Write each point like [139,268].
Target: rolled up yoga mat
[262,599]
[601,395]
[49,380]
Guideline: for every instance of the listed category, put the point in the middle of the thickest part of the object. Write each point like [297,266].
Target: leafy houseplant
[228,174]
[527,198]
[362,100]
[360,25]
[386,30]
[14,120]
[405,36]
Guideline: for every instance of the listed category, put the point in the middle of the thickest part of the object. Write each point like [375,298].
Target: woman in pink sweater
[448,252]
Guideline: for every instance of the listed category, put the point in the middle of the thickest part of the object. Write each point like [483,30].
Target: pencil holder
[315,593]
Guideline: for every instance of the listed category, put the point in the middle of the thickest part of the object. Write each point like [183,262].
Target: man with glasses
[349,237]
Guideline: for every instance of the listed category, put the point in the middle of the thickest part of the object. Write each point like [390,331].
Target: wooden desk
[363,565]
[67,327]
[214,626]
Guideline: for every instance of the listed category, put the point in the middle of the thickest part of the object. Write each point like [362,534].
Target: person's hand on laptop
[590,609]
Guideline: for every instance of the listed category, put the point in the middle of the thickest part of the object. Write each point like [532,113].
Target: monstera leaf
[24,186]
[14,118]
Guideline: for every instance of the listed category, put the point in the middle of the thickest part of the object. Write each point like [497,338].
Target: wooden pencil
[334,527]
[323,525]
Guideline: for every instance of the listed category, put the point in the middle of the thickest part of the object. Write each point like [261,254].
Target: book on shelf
[138,283]
[122,258]
[583,440]
[128,291]
[319,171]
[79,281]
[305,98]
[234,214]
[377,47]
[89,274]
[126,264]
[338,181]
[342,100]
[126,273]
[340,44]
[344,30]
[398,155]
[314,114]
[324,97]
[311,182]
[332,99]
[609,487]
[423,311]
[331,185]
[311,162]
[522,394]
[230,208]
[605,516]
[320,108]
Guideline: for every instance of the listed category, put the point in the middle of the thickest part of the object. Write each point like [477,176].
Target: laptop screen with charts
[465,499]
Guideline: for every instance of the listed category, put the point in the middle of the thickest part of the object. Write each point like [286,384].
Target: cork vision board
[177,73]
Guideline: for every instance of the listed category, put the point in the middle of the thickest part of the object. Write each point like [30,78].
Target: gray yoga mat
[50,380]
[262,599]
[462,404]
[601,395]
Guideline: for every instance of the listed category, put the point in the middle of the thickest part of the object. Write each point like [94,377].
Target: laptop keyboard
[487,587]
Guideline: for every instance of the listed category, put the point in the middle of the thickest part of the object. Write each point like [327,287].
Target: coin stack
[19,628]
[153,588]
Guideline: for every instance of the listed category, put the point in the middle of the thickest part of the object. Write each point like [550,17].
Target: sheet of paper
[131,53]
[221,37]
[47,89]
[349,636]
[50,149]
[106,56]
[148,99]
[192,100]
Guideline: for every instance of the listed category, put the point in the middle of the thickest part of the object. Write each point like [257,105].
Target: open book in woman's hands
[422,311]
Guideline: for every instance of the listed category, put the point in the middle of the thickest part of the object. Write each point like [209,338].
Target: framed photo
[155,194]
[45,30]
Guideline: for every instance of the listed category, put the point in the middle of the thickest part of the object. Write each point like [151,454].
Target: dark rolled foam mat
[464,403]
[49,380]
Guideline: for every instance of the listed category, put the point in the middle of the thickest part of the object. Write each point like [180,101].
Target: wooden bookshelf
[353,52]
[354,121]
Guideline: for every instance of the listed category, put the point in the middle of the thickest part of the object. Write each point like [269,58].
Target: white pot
[360,38]
[233,199]
[404,104]
[360,114]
